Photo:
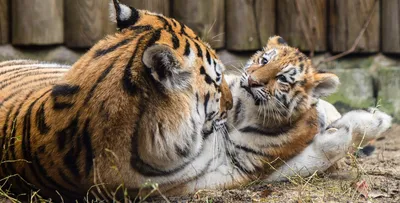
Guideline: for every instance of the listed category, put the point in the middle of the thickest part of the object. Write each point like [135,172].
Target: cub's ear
[165,67]
[276,41]
[123,15]
[325,84]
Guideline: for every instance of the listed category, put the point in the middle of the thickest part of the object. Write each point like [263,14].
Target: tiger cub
[278,118]
[141,104]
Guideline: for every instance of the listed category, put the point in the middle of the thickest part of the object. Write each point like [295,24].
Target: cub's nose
[253,83]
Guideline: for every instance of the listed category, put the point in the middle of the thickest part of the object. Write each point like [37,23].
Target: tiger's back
[25,76]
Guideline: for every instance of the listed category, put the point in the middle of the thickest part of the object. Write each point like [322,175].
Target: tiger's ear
[276,41]
[165,67]
[325,84]
[123,15]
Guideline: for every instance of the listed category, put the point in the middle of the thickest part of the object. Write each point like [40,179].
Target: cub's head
[284,81]
[175,63]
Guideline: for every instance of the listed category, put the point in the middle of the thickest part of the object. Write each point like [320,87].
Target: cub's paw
[367,125]
[385,120]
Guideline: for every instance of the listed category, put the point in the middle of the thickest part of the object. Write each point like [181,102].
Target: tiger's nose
[252,83]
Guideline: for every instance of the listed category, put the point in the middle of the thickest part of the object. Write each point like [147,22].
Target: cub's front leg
[354,129]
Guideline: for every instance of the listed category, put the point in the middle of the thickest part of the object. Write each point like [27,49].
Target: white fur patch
[125,14]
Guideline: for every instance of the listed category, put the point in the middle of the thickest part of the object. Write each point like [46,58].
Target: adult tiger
[140,104]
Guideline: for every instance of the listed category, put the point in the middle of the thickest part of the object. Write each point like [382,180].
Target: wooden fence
[235,25]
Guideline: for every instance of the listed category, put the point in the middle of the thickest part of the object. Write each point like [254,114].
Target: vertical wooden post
[303,23]
[86,22]
[37,22]
[4,21]
[205,17]
[347,18]
[391,26]
[250,28]
[156,6]
[266,19]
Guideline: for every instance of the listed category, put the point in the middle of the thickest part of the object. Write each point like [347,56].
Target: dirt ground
[375,178]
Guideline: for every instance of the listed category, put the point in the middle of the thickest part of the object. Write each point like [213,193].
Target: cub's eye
[263,61]
[282,78]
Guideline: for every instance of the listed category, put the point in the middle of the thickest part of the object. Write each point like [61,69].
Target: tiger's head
[283,80]
[168,58]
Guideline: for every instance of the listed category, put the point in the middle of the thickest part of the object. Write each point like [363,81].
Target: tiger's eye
[264,61]
[282,78]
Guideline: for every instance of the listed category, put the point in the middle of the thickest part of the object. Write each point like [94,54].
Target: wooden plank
[157,6]
[391,26]
[303,23]
[250,28]
[37,22]
[4,21]
[265,11]
[86,22]
[206,21]
[346,20]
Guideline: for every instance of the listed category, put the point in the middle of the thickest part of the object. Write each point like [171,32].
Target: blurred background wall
[62,30]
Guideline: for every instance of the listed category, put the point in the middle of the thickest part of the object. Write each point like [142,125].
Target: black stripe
[267,131]
[199,50]
[141,28]
[206,100]
[41,119]
[197,103]
[183,32]
[62,105]
[65,136]
[128,85]
[207,78]
[102,52]
[208,57]
[64,90]
[187,48]
[174,22]
[71,159]
[167,26]
[87,142]
[98,81]
[175,40]
[238,109]
[239,166]
[301,67]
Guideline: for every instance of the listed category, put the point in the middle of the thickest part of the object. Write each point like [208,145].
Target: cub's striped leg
[354,129]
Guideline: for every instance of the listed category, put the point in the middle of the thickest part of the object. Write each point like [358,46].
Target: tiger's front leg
[354,129]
